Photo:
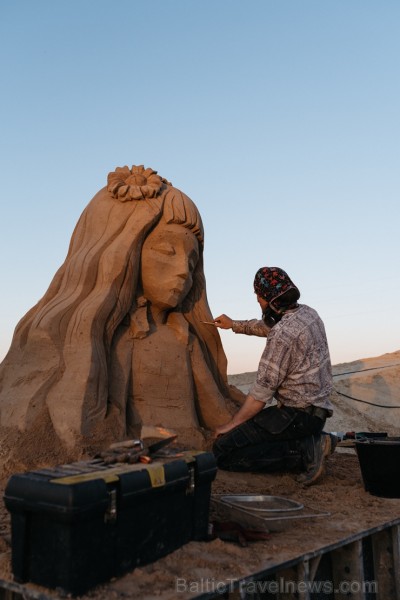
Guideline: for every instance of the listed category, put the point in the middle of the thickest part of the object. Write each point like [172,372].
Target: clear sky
[279,118]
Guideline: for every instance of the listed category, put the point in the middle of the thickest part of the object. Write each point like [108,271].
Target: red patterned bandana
[271,282]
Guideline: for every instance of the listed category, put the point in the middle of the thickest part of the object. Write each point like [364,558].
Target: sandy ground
[340,493]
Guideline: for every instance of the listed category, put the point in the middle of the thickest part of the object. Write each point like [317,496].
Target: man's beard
[271,317]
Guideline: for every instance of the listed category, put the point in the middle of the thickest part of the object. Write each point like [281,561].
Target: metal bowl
[262,504]
[256,520]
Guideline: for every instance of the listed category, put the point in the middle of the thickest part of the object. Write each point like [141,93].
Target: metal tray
[262,521]
[262,504]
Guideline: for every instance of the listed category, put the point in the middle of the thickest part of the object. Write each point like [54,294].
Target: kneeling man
[295,370]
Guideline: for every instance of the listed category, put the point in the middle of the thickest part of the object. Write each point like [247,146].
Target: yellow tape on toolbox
[156,473]
[110,476]
[189,455]
[72,479]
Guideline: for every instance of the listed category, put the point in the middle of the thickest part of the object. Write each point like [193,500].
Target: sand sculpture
[118,340]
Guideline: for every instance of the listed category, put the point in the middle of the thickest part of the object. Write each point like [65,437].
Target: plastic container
[79,525]
[380,465]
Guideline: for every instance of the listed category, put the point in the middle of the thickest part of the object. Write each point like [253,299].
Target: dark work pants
[270,441]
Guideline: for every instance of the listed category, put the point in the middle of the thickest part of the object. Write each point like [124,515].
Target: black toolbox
[77,525]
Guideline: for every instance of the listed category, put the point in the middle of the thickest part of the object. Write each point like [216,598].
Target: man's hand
[223,322]
[250,408]
[223,429]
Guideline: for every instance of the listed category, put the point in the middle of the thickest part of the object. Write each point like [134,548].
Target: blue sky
[280,119]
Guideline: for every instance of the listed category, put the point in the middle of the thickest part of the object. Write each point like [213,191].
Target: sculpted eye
[164,248]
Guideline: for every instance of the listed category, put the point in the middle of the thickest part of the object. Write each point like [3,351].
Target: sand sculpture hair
[76,355]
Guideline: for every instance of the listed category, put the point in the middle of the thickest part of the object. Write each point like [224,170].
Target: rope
[366,401]
[369,369]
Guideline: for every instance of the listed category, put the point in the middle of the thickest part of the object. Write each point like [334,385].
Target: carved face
[169,257]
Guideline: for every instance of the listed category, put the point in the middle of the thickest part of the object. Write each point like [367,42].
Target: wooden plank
[303,578]
[287,583]
[384,568]
[268,572]
[348,572]
[396,559]
[10,590]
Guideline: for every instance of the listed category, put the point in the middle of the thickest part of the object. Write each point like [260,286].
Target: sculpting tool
[208,323]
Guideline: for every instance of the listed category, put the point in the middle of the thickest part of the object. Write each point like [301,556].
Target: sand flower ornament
[136,183]
[118,341]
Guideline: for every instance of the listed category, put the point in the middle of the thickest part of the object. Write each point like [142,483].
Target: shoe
[319,447]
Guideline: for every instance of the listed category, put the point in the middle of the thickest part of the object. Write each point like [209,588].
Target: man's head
[274,286]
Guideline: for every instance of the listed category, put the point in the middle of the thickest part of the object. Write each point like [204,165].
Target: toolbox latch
[110,516]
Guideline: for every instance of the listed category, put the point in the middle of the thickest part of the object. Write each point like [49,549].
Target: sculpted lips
[177,292]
